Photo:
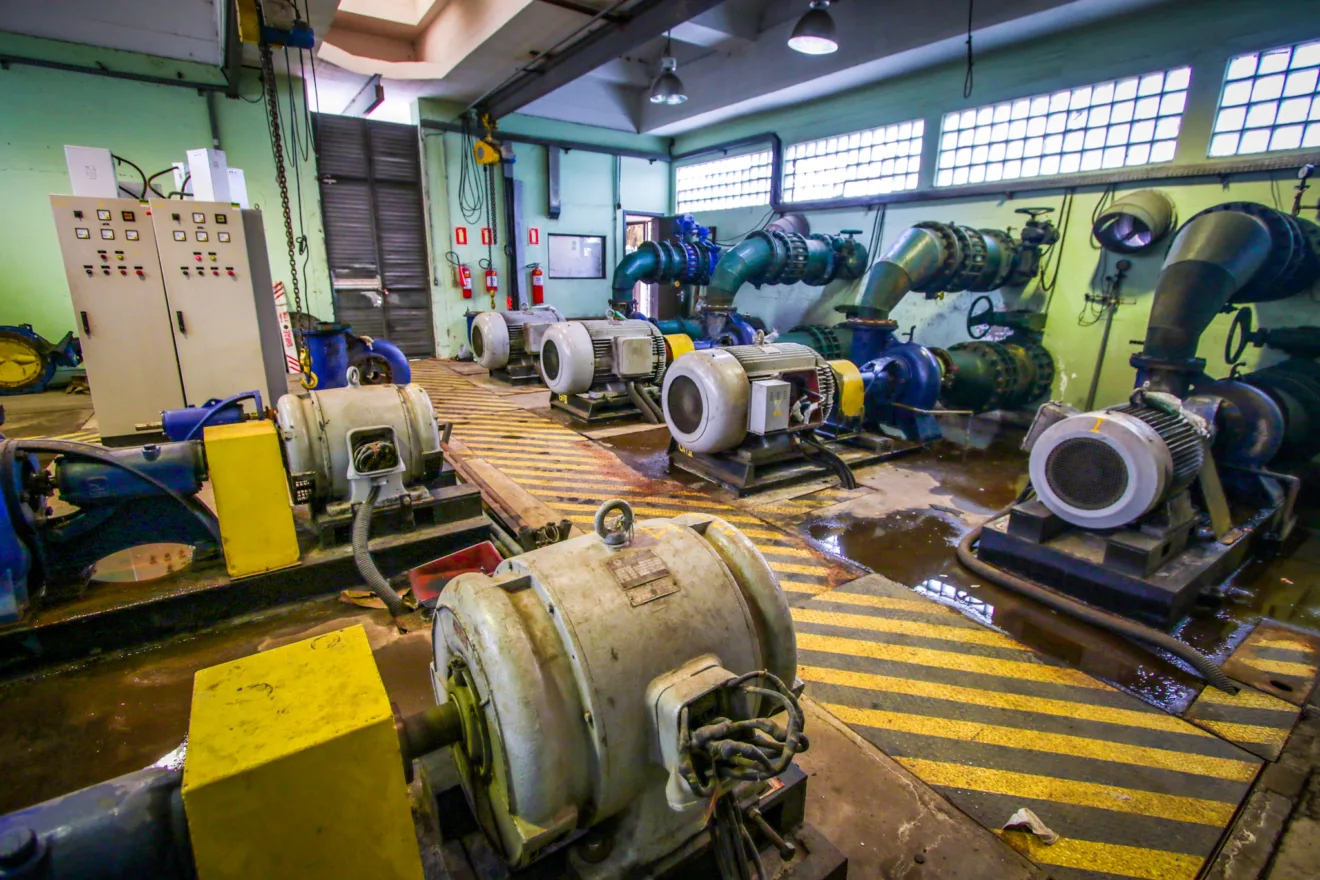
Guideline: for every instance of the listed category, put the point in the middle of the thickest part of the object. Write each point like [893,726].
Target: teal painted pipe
[776,256]
[634,267]
[687,326]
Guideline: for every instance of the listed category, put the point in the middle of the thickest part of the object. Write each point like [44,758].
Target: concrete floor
[126,711]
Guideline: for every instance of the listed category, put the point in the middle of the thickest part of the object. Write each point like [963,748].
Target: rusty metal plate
[1277,659]
[643,576]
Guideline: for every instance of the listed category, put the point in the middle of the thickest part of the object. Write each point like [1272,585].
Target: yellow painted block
[294,770]
[251,497]
[852,391]
[679,345]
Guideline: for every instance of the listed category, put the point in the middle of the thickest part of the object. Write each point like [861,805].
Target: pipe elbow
[912,261]
[634,267]
[749,259]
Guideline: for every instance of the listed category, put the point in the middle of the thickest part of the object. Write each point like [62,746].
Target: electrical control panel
[221,306]
[767,412]
[119,308]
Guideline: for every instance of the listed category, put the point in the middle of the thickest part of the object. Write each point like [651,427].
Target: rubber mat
[994,726]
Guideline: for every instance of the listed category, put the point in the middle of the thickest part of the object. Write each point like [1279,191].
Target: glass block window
[734,182]
[1271,101]
[863,163]
[1126,122]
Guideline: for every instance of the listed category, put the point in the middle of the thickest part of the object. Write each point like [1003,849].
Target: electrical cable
[967,80]
[154,176]
[846,477]
[1129,629]
[366,566]
[736,239]
[1052,258]
[142,174]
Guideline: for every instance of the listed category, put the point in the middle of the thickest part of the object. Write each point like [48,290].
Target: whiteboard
[577,256]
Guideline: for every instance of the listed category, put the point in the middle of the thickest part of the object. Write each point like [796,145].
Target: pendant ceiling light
[668,88]
[814,34]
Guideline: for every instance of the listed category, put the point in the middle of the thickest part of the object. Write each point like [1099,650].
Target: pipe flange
[826,275]
[823,339]
[1009,249]
[973,264]
[953,252]
[1283,272]
[794,265]
[1043,363]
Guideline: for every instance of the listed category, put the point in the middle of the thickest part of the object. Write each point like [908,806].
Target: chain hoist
[281,178]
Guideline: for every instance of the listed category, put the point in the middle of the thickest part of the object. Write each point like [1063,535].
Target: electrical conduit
[366,566]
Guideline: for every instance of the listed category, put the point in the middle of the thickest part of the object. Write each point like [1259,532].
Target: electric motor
[573,669]
[708,397]
[576,355]
[333,437]
[499,336]
[1104,469]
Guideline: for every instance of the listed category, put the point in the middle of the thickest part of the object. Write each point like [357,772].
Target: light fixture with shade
[668,88]
[814,33]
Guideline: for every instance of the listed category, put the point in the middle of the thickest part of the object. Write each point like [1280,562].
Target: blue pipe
[187,423]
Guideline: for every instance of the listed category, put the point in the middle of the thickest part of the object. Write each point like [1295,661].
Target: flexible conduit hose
[846,478]
[1137,632]
[643,405]
[366,566]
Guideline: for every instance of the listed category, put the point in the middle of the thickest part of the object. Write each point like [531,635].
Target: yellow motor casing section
[293,769]
[251,497]
[852,390]
[679,344]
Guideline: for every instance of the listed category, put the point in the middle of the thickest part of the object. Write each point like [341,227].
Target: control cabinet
[221,307]
[119,307]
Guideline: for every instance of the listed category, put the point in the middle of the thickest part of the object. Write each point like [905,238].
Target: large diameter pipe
[916,258]
[1213,256]
[640,264]
[749,259]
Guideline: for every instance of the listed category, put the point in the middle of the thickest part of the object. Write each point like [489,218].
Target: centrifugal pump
[621,681]
[689,257]
[508,343]
[606,368]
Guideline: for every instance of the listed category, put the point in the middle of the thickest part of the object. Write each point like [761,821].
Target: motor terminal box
[767,412]
[633,355]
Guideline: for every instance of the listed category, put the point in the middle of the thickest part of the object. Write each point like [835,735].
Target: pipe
[1212,258]
[779,254]
[913,261]
[1136,632]
[366,566]
[640,264]
[642,405]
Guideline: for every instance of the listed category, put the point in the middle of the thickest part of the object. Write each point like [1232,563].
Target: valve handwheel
[982,319]
[1239,334]
[1033,213]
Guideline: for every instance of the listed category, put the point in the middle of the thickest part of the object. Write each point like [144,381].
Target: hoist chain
[277,150]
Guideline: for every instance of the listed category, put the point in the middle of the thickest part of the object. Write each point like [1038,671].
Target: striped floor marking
[1278,661]
[1259,723]
[995,727]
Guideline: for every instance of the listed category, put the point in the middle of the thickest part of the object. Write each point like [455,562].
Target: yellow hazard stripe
[644,510]
[1022,669]
[1070,791]
[926,606]
[965,634]
[1107,858]
[799,587]
[819,568]
[998,700]
[1246,698]
[1052,743]
[1281,667]
[1249,733]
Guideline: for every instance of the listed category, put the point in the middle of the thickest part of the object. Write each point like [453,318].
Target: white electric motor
[575,355]
[713,397]
[1107,468]
[338,440]
[573,666]
[499,336]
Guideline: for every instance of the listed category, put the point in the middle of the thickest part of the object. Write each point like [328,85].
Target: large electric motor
[582,674]
[579,355]
[1104,469]
[714,397]
[499,337]
[337,441]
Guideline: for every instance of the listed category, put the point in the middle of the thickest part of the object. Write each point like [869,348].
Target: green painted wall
[41,110]
[587,196]
[1204,33]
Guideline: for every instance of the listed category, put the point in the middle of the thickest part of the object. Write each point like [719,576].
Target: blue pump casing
[333,348]
[187,423]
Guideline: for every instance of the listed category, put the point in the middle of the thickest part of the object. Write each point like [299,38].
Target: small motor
[578,355]
[1104,469]
[498,337]
[714,397]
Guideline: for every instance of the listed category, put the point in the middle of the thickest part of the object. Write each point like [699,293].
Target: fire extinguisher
[538,284]
[492,281]
[462,274]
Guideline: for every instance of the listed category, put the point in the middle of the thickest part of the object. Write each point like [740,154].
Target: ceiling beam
[647,20]
[584,9]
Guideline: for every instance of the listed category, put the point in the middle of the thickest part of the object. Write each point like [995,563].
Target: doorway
[375,229]
[637,229]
